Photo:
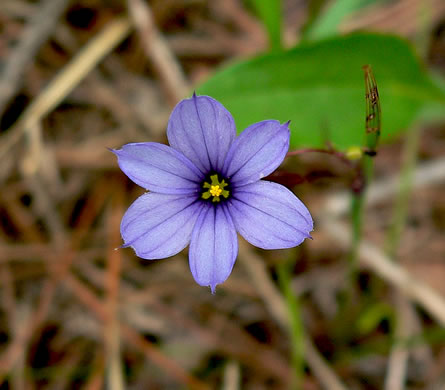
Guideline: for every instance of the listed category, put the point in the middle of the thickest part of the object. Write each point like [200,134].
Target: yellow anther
[215,190]
[354,152]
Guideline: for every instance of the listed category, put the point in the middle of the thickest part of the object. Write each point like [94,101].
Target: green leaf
[320,87]
[269,11]
[372,316]
[328,21]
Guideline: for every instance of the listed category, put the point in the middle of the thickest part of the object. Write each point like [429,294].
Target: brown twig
[145,305]
[396,17]
[258,356]
[58,268]
[373,258]
[43,206]
[330,151]
[18,9]
[96,379]
[274,302]
[89,299]
[36,33]
[398,358]
[111,326]
[426,174]
[66,81]
[250,25]
[156,49]
[22,217]
[232,376]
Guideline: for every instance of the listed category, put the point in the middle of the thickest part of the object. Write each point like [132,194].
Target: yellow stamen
[354,152]
[216,189]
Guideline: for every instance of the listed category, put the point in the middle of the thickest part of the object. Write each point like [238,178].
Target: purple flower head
[206,186]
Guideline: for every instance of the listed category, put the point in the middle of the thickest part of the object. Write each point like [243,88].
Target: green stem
[357,211]
[296,324]
[356,220]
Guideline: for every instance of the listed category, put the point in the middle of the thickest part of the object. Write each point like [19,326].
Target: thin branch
[277,307]
[58,271]
[398,358]
[232,376]
[157,50]
[398,17]
[73,73]
[430,173]
[111,326]
[152,352]
[375,259]
[36,33]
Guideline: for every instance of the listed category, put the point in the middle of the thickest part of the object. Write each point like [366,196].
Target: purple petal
[203,130]
[159,225]
[213,246]
[159,168]
[270,216]
[257,152]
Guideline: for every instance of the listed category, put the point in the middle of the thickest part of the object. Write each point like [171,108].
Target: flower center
[215,189]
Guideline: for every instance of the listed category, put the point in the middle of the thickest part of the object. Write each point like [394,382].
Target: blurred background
[361,306]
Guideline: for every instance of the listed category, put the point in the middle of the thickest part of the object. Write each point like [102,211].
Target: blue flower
[206,186]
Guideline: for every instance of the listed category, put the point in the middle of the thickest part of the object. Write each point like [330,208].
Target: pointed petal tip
[194,95]
[115,151]
[287,123]
[270,216]
[213,247]
[158,168]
